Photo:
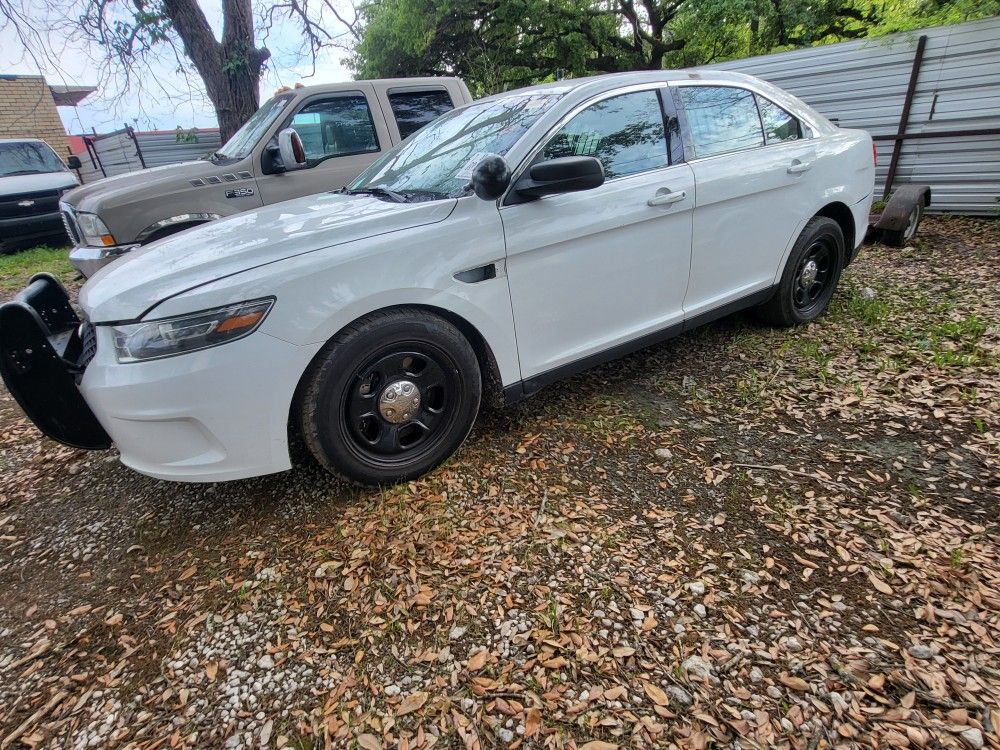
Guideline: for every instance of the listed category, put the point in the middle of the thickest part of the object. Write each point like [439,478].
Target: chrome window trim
[518,171]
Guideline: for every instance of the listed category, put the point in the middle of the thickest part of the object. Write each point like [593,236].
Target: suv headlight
[153,339]
[94,231]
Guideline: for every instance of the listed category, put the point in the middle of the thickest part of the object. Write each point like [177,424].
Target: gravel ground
[743,538]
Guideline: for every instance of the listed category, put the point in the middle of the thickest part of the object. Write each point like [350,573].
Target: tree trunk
[231,68]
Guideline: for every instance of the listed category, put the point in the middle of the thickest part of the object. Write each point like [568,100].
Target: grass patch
[17,268]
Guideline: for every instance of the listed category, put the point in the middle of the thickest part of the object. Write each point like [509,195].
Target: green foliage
[502,44]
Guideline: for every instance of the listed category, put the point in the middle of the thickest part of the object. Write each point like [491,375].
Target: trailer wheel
[903,237]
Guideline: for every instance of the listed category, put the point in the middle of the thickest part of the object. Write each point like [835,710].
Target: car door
[342,134]
[754,191]
[592,270]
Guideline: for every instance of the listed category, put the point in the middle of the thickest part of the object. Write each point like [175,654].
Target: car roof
[21,140]
[614,80]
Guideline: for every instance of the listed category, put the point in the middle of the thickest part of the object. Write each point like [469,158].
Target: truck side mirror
[73,162]
[293,153]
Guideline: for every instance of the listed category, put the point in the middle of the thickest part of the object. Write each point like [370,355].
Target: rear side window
[778,124]
[336,126]
[721,118]
[414,109]
[625,132]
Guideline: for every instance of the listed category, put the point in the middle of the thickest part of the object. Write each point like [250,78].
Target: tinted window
[336,126]
[625,132]
[722,118]
[778,124]
[414,109]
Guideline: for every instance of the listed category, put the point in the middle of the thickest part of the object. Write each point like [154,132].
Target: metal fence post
[904,117]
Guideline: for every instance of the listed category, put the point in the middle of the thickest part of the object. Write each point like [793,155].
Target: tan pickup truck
[302,141]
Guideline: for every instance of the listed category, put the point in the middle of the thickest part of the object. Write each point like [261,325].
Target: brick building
[28,109]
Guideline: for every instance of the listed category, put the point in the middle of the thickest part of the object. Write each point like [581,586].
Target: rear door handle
[666,196]
[798,167]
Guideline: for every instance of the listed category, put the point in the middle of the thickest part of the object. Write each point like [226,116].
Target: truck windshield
[437,161]
[244,139]
[27,157]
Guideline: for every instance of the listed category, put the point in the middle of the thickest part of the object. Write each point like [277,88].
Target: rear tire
[390,397]
[810,276]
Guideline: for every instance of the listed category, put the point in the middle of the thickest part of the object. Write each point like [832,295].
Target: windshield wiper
[378,192]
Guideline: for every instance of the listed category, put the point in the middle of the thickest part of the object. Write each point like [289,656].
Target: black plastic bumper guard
[42,353]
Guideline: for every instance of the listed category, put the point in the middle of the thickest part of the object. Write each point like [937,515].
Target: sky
[166,99]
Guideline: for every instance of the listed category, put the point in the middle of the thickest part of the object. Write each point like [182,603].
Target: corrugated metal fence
[129,151]
[863,84]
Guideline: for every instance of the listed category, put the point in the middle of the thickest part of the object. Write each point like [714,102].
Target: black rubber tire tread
[897,237]
[779,310]
[338,359]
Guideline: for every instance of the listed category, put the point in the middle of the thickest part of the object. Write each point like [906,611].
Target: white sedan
[508,243]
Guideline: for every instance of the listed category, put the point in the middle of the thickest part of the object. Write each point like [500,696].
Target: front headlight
[94,231]
[153,339]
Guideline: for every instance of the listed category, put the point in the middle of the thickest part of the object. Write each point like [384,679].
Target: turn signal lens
[107,240]
[167,337]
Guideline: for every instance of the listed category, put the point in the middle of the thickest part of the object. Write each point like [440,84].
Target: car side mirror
[566,174]
[293,153]
[490,178]
[73,162]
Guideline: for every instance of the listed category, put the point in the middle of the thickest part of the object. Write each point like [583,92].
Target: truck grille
[69,221]
[26,205]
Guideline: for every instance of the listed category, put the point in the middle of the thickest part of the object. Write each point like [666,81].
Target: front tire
[810,276]
[390,397]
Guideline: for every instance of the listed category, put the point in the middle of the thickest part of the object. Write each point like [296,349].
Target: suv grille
[29,204]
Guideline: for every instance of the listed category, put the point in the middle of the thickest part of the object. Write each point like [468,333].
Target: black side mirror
[565,174]
[490,178]
[73,162]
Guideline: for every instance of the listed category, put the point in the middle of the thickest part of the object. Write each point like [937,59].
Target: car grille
[88,344]
[69,221]
[26,205]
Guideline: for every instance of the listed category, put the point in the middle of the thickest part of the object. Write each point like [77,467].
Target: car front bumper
[89,259]
[207,416]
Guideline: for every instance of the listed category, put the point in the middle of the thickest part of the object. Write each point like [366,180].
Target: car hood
[145,277]
[94,196]
[34,183]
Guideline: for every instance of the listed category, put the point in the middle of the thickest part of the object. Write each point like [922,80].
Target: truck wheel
[390,397]
[904,236]
[810,276]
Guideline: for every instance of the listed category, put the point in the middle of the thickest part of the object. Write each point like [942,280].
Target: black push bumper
[43,350]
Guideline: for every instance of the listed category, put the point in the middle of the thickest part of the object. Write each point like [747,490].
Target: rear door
[342,132]
[753,168]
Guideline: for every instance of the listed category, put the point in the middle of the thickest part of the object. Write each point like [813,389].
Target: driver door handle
[666,196]
[798,167]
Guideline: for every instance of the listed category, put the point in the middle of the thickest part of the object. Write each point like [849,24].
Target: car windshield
[244,139]
[437,161]
[28,157]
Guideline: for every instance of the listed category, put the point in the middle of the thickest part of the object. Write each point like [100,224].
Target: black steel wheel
[391,397]
[810,276]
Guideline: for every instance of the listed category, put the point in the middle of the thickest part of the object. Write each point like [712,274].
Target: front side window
[625,132]
[336,126]
[244,139]
[28,157]
[439,159]
[721,119]
[778,124]
[414,109]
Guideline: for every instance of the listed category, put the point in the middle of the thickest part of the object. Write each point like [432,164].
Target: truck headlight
[136,342]
[94,231]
